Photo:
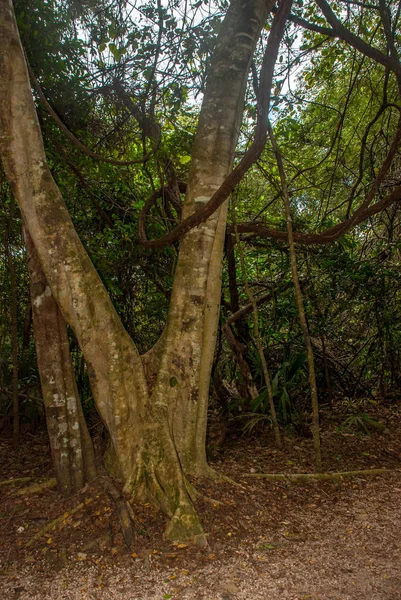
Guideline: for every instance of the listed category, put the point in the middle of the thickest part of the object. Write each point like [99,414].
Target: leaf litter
[268,540]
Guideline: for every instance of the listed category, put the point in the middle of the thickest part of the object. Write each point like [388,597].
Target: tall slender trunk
[257,337]
[192,324]
[300,306]
[14,331]
[248,387]
[70,442]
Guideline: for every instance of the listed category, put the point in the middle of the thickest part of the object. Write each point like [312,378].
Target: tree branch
[362,213]
[75,140]
[357,42]
[252,155]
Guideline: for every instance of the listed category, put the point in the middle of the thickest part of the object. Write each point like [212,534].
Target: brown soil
[328,540]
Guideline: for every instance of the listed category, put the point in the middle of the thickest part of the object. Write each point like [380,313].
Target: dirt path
[331,540]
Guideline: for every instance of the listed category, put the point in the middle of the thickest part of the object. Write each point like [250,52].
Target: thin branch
[254,152]
[258,339]
[74,139]
[364,211]
[357,42]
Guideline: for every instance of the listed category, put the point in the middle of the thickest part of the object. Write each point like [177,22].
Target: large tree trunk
[146,429]
[70,442]
[192,323]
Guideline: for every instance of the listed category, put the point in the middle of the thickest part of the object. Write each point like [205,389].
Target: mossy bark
[139,431]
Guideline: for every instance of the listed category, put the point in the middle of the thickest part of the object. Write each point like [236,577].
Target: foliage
[361,422]
[289,376]
[334,114]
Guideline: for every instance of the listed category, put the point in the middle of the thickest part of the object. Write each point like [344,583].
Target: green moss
[184,526]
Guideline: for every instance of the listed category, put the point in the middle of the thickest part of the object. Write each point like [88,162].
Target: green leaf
[116,52]
[173,381]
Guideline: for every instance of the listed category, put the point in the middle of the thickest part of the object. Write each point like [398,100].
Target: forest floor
[268,540]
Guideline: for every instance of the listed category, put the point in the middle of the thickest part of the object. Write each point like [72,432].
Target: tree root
[184,526]
[195,495]
[102,539]
[15,481]
[37,487]
[317,476]
[209,473]
[123,507]
[60,520]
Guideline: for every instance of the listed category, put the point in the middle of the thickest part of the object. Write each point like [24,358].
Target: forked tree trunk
[146,429]
[145,456]
[70,442]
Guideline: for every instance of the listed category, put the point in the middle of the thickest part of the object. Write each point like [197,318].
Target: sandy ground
[332,540]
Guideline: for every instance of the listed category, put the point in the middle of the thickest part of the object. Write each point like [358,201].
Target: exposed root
[226,479]
[209,473]
[175,501]
[184,526]
[59,521]
[317,476]
[15,481]
[195,495]
[37,487]
[192,491]
[99,541]
[124,510]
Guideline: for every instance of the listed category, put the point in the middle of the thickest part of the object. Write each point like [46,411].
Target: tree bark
[192,323]
[70,442]
[143,452]
[238,353]
[155,433]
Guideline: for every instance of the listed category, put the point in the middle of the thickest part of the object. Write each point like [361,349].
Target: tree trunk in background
[70,442]
[248,387]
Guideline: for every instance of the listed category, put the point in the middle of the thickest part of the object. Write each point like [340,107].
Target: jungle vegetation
[199,213]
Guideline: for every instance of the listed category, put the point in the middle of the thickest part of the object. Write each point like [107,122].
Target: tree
[156,432]
[155,405]
[70,442]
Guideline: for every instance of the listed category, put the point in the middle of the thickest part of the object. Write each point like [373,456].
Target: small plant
[253,420]
[361,422]
[287,378]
